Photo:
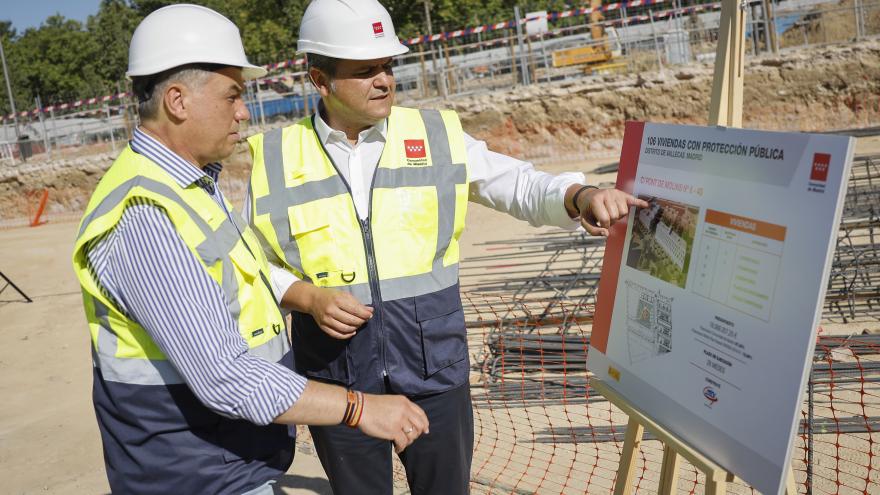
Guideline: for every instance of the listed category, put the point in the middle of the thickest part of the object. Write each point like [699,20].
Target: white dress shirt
[498,181]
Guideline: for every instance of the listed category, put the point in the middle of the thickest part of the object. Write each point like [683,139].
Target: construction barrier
[36,205]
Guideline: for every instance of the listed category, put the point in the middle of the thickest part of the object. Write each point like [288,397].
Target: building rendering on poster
[710,297]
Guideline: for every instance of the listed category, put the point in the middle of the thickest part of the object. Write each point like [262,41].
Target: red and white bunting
[424,38]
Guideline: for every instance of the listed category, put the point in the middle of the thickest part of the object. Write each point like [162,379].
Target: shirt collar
[329,135]
[182,171]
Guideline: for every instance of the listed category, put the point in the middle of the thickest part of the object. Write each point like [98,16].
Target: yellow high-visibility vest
[228,251]
[409,247]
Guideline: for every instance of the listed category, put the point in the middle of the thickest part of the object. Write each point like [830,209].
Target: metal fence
[646,38]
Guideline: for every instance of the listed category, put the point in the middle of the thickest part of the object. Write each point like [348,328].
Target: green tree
[111,29]
[7,37]
[268,27]
[64,60]
[56,61]
[409,15]
[6,30]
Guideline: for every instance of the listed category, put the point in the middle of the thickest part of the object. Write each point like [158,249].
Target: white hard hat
[348,29]
[186,34]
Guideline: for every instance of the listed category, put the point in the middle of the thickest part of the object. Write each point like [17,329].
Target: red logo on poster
[378,30]
[415,148]
[821,161]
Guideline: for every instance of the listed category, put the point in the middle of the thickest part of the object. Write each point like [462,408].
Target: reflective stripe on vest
[299,197]
[122,349]
[157,371]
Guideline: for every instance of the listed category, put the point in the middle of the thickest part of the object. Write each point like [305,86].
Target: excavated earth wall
[835,87]
[815,89]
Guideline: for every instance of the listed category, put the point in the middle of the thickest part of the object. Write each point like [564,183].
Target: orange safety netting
[540,429]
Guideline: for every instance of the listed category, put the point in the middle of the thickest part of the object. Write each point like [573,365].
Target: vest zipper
[367,235]
[373,277]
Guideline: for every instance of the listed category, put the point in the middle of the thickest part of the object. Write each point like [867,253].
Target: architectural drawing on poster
[648,321]
[663,237]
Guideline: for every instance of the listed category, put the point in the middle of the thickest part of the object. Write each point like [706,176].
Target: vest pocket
[315,243]
[441,323]
[317,355]
[245,262]
[242,440]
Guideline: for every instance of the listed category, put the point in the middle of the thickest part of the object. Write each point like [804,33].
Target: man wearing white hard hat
[363,204]
[194,388]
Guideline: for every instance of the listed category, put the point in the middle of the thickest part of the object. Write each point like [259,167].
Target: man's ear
[175,102]
[320,81]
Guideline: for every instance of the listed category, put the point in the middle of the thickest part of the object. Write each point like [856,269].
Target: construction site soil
[815,89]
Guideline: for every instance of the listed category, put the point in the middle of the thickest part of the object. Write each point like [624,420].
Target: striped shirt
[144,266]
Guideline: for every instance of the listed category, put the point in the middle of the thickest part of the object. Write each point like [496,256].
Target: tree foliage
[64,59]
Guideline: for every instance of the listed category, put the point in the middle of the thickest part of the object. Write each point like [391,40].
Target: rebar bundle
[536,276]
[854,285]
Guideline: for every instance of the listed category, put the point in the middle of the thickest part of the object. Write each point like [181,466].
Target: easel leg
[631,443]
[669,471]
[10,284]
[725,107]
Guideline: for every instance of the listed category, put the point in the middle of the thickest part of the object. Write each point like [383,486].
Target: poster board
[710,298]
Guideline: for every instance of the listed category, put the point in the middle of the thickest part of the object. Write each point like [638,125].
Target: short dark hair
[149,89]
[325,64]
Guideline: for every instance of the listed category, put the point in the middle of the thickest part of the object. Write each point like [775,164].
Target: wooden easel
[725,109]
[673,450]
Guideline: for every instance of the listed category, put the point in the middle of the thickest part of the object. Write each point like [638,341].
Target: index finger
[361,311]
[354,307]
[634,201]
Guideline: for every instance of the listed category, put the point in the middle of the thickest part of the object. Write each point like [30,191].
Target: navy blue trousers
[437,463]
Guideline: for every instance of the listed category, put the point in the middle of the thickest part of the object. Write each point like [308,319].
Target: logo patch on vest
[378,30]
[257,332]
[416,154]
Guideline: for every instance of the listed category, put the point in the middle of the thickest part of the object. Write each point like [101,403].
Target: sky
[31,13]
